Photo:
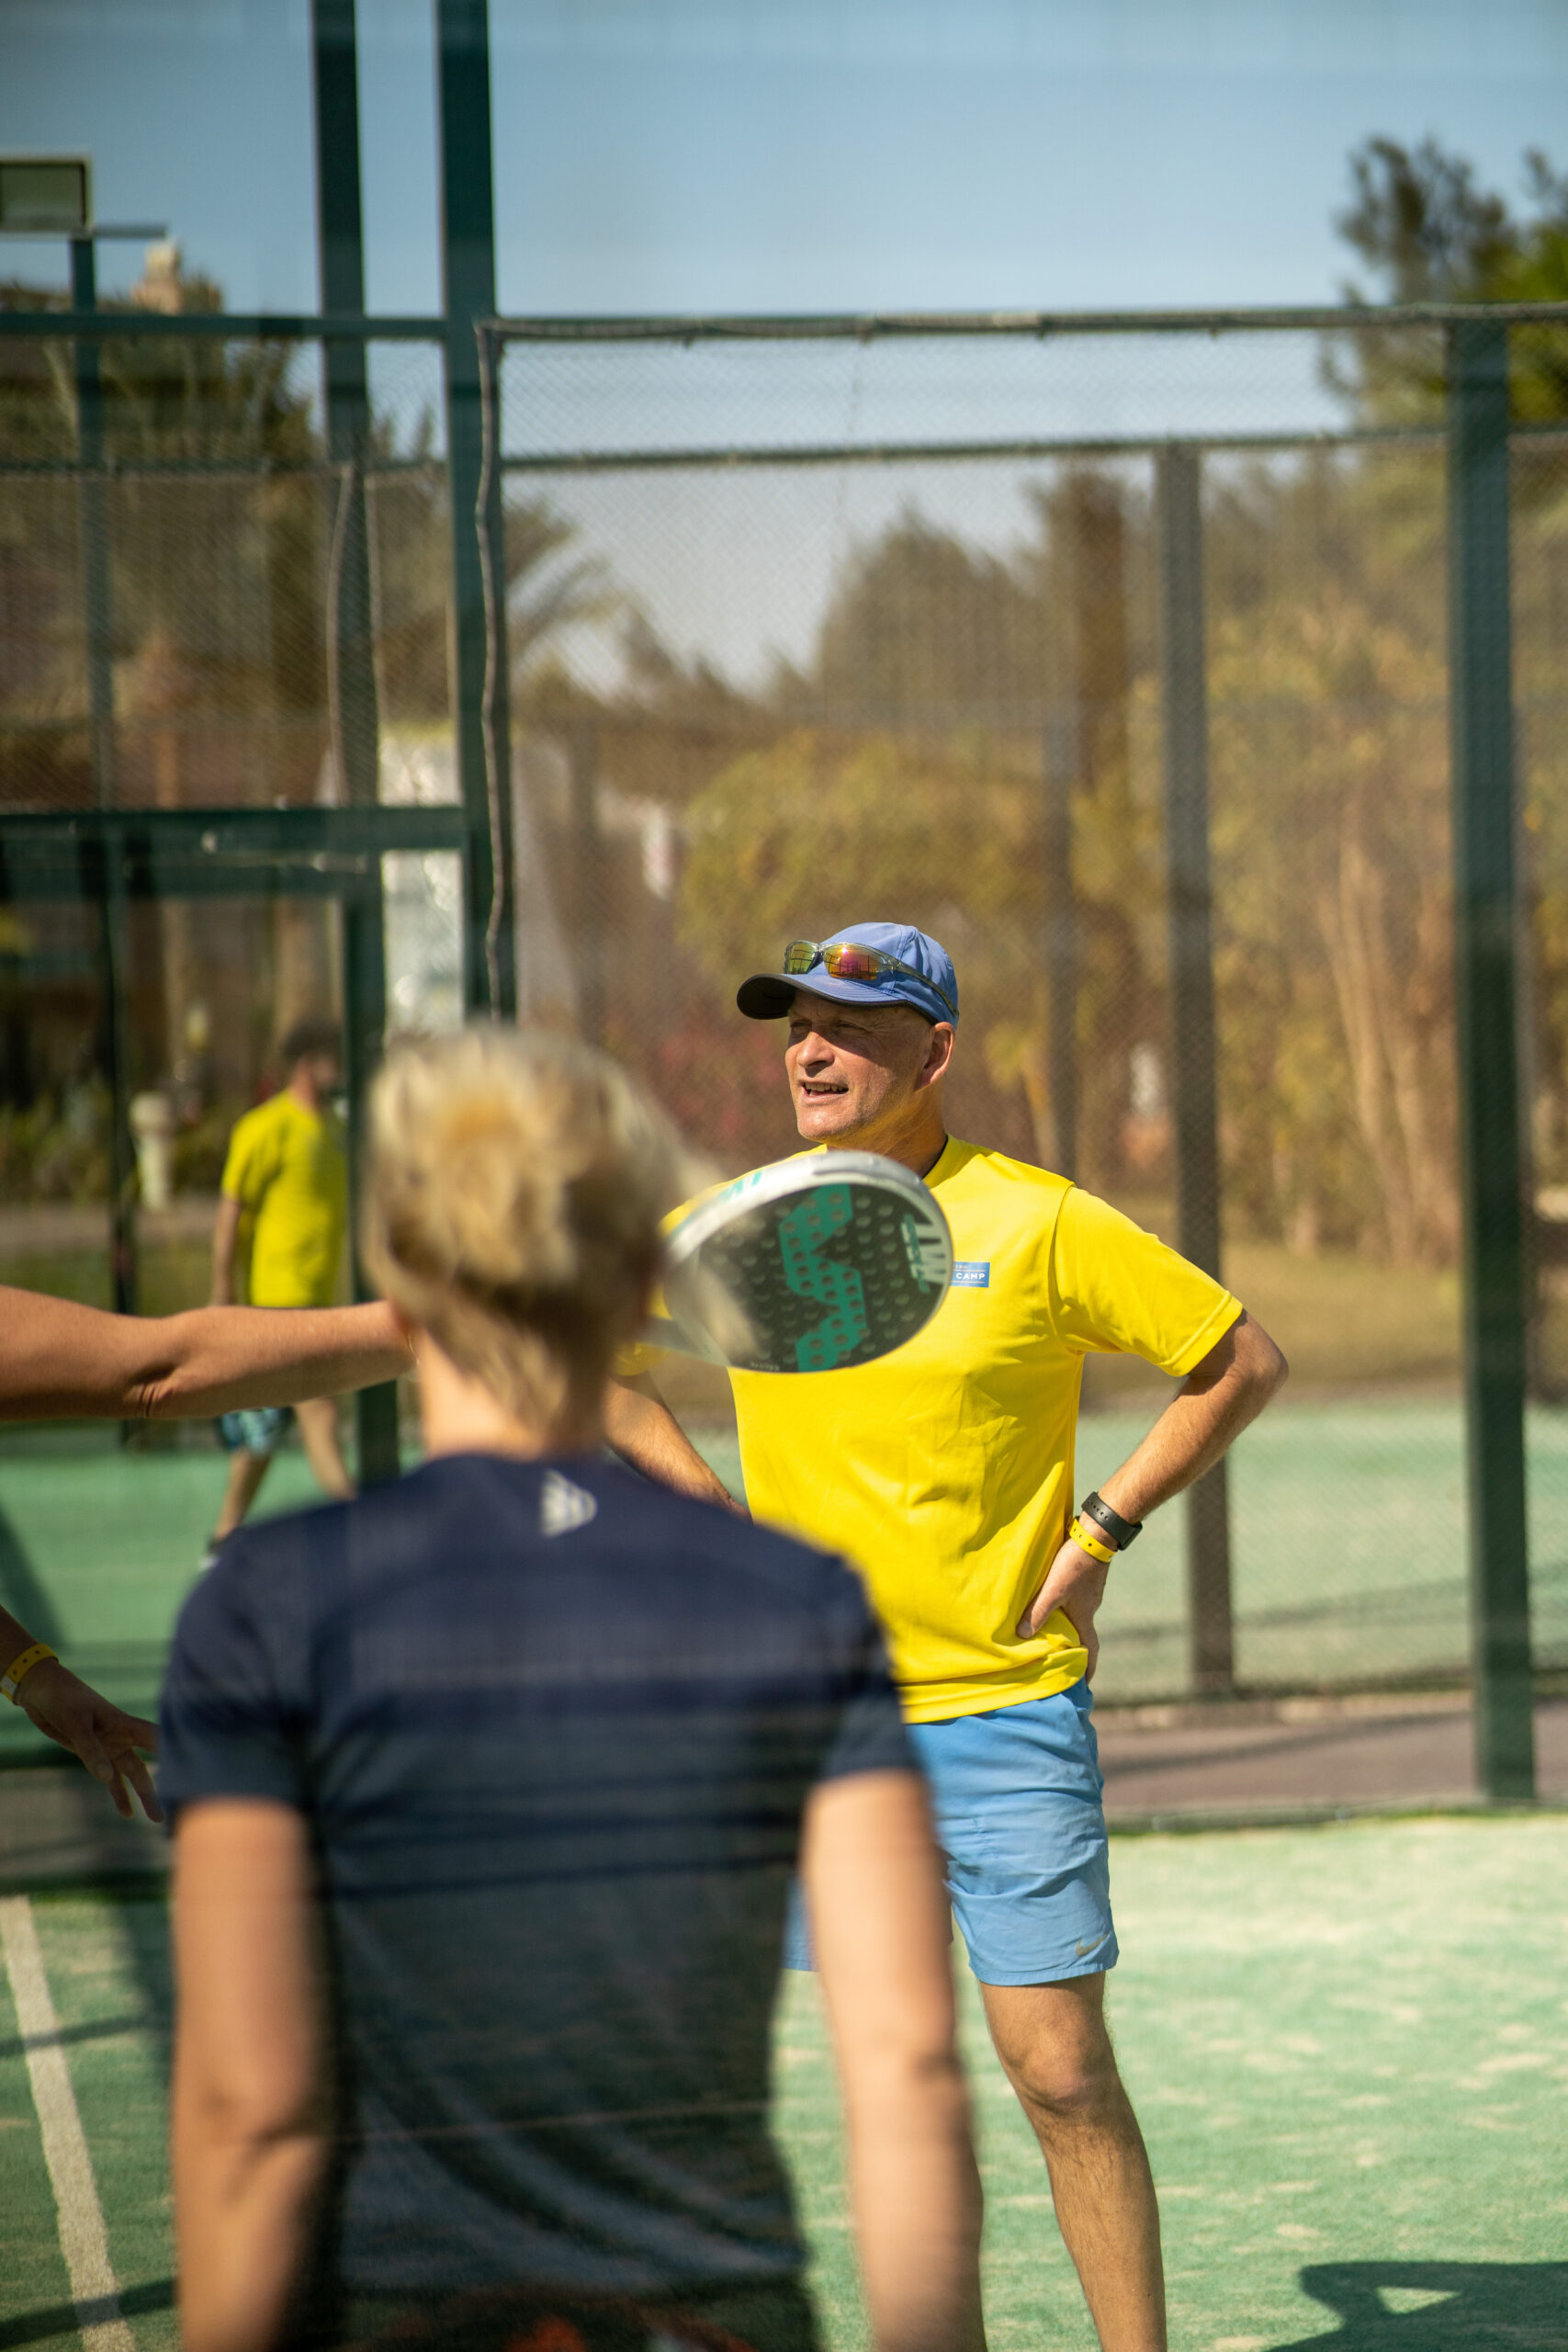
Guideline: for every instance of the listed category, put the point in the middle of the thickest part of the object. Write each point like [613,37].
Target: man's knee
[1068,2087]
[1058,2057]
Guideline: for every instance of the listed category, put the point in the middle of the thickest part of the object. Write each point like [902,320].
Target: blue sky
[692,155]
[765,154]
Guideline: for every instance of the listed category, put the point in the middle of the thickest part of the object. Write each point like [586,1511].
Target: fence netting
[802,631]
[838,629]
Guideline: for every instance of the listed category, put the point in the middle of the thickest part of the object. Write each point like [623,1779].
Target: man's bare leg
[1055,2045]
[318,1433]
[246,1471]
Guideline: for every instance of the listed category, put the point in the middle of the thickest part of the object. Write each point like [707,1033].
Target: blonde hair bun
[516,1184]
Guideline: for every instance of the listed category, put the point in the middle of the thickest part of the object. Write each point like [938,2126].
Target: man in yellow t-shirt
[946,1471]
[287,1172]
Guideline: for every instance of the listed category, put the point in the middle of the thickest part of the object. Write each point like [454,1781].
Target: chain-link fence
[809,626]
[177,535]
[167,600]
[890,623]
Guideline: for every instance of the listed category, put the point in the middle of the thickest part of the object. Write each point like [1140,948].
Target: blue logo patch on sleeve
[971,1274]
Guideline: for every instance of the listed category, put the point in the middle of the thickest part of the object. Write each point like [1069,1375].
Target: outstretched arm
[60,1361]
[1205,1417]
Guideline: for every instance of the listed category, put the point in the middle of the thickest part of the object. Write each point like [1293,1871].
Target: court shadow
[22,1591]
[16,2045]
[145,1924]
[1439,2306]
[67,2321]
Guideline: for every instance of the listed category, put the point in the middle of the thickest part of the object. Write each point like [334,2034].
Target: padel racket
[808,1265]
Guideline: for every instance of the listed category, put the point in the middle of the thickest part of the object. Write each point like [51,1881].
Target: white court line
[94,2290]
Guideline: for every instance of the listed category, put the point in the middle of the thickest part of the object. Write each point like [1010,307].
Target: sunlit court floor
[1349,2046]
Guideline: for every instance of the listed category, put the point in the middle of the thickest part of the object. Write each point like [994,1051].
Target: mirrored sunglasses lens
[800,956]
[854,963]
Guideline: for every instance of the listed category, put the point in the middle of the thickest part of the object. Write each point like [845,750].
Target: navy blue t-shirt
[552,1730]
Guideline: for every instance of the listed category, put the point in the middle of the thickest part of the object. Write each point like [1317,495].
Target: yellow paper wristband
[24,1665]
[1079,1534]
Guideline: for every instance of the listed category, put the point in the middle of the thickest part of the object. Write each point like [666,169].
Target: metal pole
[467,252]
[1193,1083]
[365,1030]
[1481,725]
[1060,765]
[351,668]
[346,374]
[97,616]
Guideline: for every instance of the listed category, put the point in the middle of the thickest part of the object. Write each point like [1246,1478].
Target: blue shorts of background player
[1017,1798]
[256,1430]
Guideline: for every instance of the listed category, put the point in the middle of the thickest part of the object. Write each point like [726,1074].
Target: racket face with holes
[810,1265]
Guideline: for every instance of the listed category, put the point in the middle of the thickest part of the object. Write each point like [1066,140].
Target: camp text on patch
[971,1274]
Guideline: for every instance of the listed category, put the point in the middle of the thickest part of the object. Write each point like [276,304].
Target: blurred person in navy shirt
[487,1789]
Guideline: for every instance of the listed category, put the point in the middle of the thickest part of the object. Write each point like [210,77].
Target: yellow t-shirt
[945,1469]
[287,1167]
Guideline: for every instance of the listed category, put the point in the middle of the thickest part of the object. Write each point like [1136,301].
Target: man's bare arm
[1214,1405]
[58,1360]
[644,1431]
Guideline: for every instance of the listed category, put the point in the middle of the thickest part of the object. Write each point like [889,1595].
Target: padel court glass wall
[1119,659]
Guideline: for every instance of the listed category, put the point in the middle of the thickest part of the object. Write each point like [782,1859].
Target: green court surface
[1348,1538]
[1348,2047]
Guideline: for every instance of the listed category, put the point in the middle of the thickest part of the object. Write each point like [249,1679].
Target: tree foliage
[1425,231]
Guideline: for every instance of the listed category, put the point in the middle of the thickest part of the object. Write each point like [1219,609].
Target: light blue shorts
[254,1429]
[1016,1798]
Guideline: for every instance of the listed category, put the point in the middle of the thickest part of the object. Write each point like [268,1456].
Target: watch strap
[1099,1512]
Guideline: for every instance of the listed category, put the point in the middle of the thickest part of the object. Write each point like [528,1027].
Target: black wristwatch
[1110,1523]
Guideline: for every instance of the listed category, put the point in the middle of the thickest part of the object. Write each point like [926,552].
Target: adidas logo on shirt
[563,1506]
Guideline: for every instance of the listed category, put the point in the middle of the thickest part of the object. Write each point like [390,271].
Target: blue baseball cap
[919,972]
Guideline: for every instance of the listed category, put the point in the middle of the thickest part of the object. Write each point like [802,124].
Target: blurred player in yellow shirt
[288,1173]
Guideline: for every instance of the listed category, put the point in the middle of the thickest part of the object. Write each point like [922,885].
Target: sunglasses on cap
[845,959]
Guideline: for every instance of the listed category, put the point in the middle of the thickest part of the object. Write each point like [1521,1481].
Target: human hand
[68,1711]
[1075,1583]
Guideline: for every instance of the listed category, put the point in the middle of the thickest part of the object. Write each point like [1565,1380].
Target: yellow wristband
[24,1665]
[1078,1534]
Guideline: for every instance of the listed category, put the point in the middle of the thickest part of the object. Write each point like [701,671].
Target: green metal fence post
[1193,1079]
[1060,764]
[98,617]
[365,1030]
[346,383]
[483,732]
[1481,726]
[351,667]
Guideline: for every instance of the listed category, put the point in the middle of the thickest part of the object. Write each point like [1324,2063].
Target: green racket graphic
[809,1266]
